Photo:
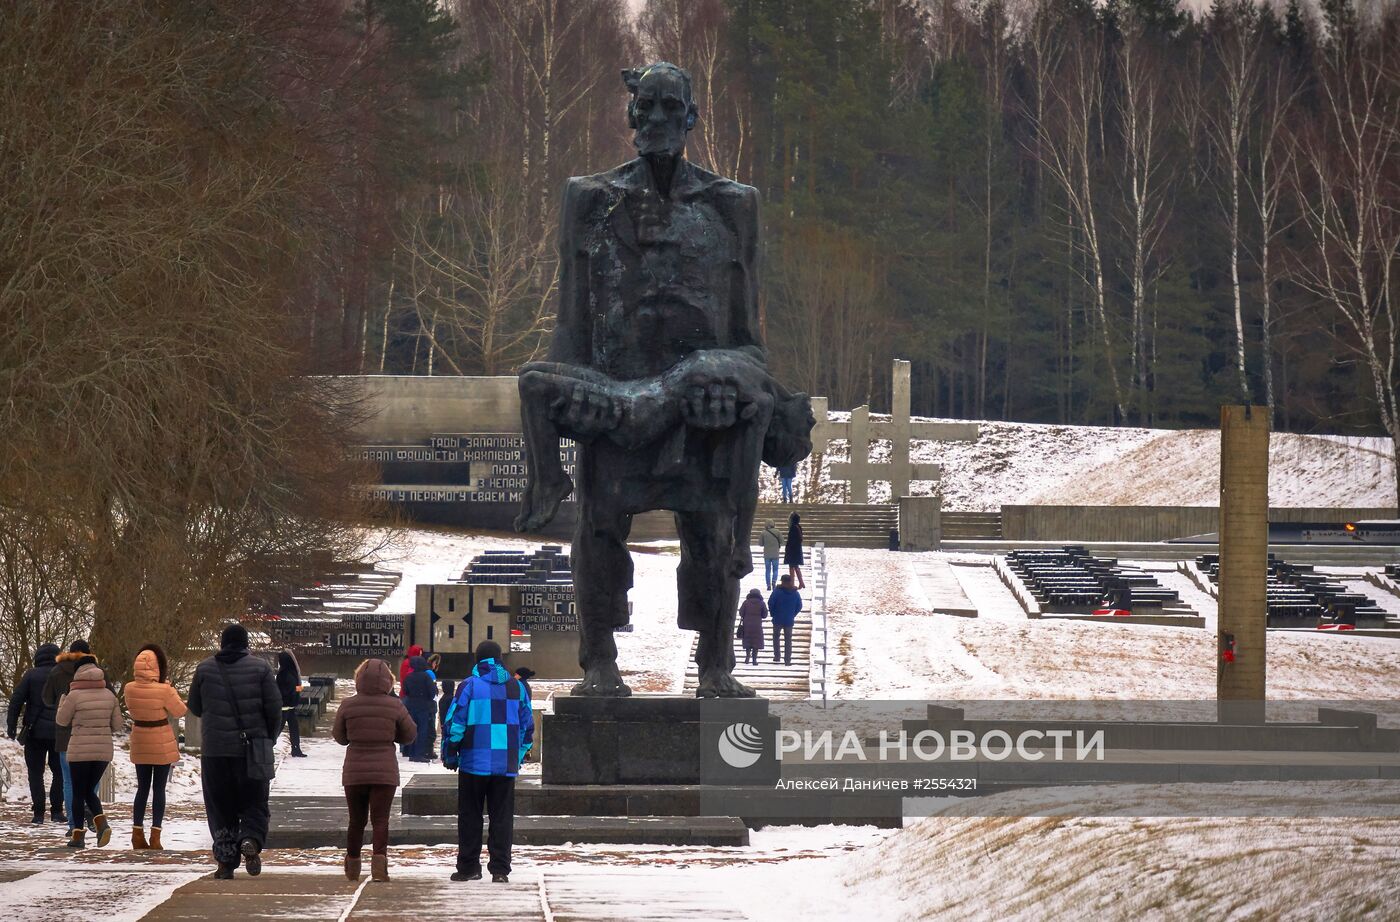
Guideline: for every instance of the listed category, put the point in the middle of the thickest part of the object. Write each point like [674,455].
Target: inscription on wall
[477,468]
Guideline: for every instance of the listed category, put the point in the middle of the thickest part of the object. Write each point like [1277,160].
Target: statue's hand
[715,404]
[587,410]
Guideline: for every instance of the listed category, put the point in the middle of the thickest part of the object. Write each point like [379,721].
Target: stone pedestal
[920,522]
[553,655]
[658,740]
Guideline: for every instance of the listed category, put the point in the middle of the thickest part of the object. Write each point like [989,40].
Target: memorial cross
[899,429]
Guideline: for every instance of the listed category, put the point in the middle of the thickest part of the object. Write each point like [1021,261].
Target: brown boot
[138,838]
[379,866]
[104,830]
[76,838]
[155,845]
[352,866]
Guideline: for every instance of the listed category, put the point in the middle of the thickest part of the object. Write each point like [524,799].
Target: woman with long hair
[151,701]
[792,553]
[289,686]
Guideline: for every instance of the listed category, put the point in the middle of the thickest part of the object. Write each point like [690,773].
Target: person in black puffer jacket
[289,687]
[232,689]
[420,696]
[40,745]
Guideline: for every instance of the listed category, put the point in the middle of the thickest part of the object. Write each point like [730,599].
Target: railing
[818,656]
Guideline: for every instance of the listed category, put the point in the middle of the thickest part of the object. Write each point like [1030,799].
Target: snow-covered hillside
[1052,464]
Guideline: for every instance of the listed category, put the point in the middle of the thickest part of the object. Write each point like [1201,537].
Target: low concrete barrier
[1150,523]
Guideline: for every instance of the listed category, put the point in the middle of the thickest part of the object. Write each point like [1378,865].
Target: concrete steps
[835,524]
[436,795]
[769,679]
[319,822]
[970,526]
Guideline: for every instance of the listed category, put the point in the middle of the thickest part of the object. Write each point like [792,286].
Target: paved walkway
[320,895]
[940,584]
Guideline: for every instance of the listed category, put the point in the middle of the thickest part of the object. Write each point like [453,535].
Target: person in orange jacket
[151,701]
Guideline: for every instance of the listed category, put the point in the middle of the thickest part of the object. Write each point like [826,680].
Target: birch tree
[1348,185]
[1235,49]
[1068,142]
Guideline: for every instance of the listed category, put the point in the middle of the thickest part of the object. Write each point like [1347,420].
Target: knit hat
[79,646]
[755,594]
[488,649]
[234,637]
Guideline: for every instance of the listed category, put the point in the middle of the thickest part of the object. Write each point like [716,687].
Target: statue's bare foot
[717,683]
[541,502]
[602,682]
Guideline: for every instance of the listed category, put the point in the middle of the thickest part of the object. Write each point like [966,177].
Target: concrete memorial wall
[338,644]
[450,452]
[524,602]
[1150,523]
[461,479]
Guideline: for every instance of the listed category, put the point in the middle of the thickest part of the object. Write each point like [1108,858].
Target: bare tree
[1146,179]
[1068,144]
[41,601]
[150,236]
[694,35]
[1348,185]
[1267,185]
[473,273]
[833,314]
[1235,41]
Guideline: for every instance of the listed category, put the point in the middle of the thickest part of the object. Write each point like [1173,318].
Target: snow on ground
[888,647]
[652,655]
[1070,465]
[1183,469]
[55,894]
[424,554]
[1131,866]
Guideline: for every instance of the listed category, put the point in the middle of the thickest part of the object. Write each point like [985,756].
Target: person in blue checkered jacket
[489,730]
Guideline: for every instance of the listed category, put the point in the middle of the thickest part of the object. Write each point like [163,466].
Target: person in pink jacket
[91,711]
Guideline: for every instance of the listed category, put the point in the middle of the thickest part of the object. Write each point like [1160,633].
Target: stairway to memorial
[775,681]
[970,526]
[835,524]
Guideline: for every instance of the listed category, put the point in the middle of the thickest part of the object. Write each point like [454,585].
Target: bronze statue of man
[657,371]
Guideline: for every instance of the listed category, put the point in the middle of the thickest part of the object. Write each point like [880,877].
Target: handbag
[262,766]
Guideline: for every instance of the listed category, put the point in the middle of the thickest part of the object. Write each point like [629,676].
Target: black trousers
[85,777]
[235,805]
[36,754]
[289,717]
[150,782]
[497,793]
[783,631]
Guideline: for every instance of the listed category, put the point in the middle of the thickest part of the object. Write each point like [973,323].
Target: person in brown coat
[91,713]
[151,701]
[372,722]
[751,615]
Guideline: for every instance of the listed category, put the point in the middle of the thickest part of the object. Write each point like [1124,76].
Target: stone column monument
[1244,551]
[657,371]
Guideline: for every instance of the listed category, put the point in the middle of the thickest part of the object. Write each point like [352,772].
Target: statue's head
[789,436]
[660,109]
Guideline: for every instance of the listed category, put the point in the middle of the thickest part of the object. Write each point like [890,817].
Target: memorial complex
[907,487]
